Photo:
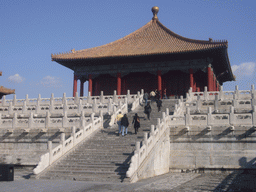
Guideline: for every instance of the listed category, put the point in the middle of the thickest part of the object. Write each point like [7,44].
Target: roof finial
[155,10]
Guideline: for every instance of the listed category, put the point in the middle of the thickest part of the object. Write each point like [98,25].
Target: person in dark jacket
[124,124]
[148,110]
[159,104]
[136,122]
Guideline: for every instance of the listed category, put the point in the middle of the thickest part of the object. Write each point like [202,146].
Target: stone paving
[173,182]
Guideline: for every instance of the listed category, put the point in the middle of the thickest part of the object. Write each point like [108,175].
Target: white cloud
[49,81]
[16,79]
[244,69]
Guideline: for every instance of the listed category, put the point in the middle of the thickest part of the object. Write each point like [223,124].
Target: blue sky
[32,30]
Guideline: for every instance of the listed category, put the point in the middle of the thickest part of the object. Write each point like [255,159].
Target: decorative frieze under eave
[152,67]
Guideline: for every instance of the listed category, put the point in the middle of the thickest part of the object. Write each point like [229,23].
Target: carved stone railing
[222,95]
[124,109]
[230,118]
[59,101]
[150,139]
[63,112]
[67,144]
[197,111]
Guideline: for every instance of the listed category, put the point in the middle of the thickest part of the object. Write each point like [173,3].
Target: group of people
[154,96]
[122,120]
[123,123]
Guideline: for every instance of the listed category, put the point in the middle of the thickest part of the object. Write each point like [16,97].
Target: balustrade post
[89,98]
[167,112]
[101,97]
[27,99]
[76,99]
[236,95]
[10,109]
[254,116]
[198,104]
[187,116]
[128,96]
[92,119]
[152,130]
[164,120]
[232,120]
[252,90]
[209,116]
[62,138]
[187,96]
[1,121]
[65,119]
[38,108]
[137,146]
[126,103]
[101,118]
[14,121]
[39,99]
[115,97]
[14,101]
[216,103]
[158,123]
[31,121]
[110,108]
[145,139]
[175,109]
[64,98]
[114,108]
[24,107]
[163,115]
[80,107]
[205,94]
[49,147]
[235,103]
[138,94]
[47,119]
[221,94]
[142,92]
[82,119]
[3,101]
[65,107]
[94,106]
[51,107]
[253,101]
[73,132]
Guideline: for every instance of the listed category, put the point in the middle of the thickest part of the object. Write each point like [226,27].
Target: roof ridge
[116,41]
[188,39]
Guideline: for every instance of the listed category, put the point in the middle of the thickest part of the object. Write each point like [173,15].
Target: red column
[75,86]
[214,83]
[159,82]
[191,79]
[124,87]
[81,88]
[118,84]
[90,84]
[210,78]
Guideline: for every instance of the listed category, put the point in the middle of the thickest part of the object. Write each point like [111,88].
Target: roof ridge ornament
[155,10]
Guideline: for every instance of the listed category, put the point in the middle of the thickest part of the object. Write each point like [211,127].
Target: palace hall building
[153,57]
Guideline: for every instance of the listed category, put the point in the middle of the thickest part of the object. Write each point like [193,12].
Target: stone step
[91,169]
[101,153]
[97,178]
[107,166]
[84,173]
[97,161]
